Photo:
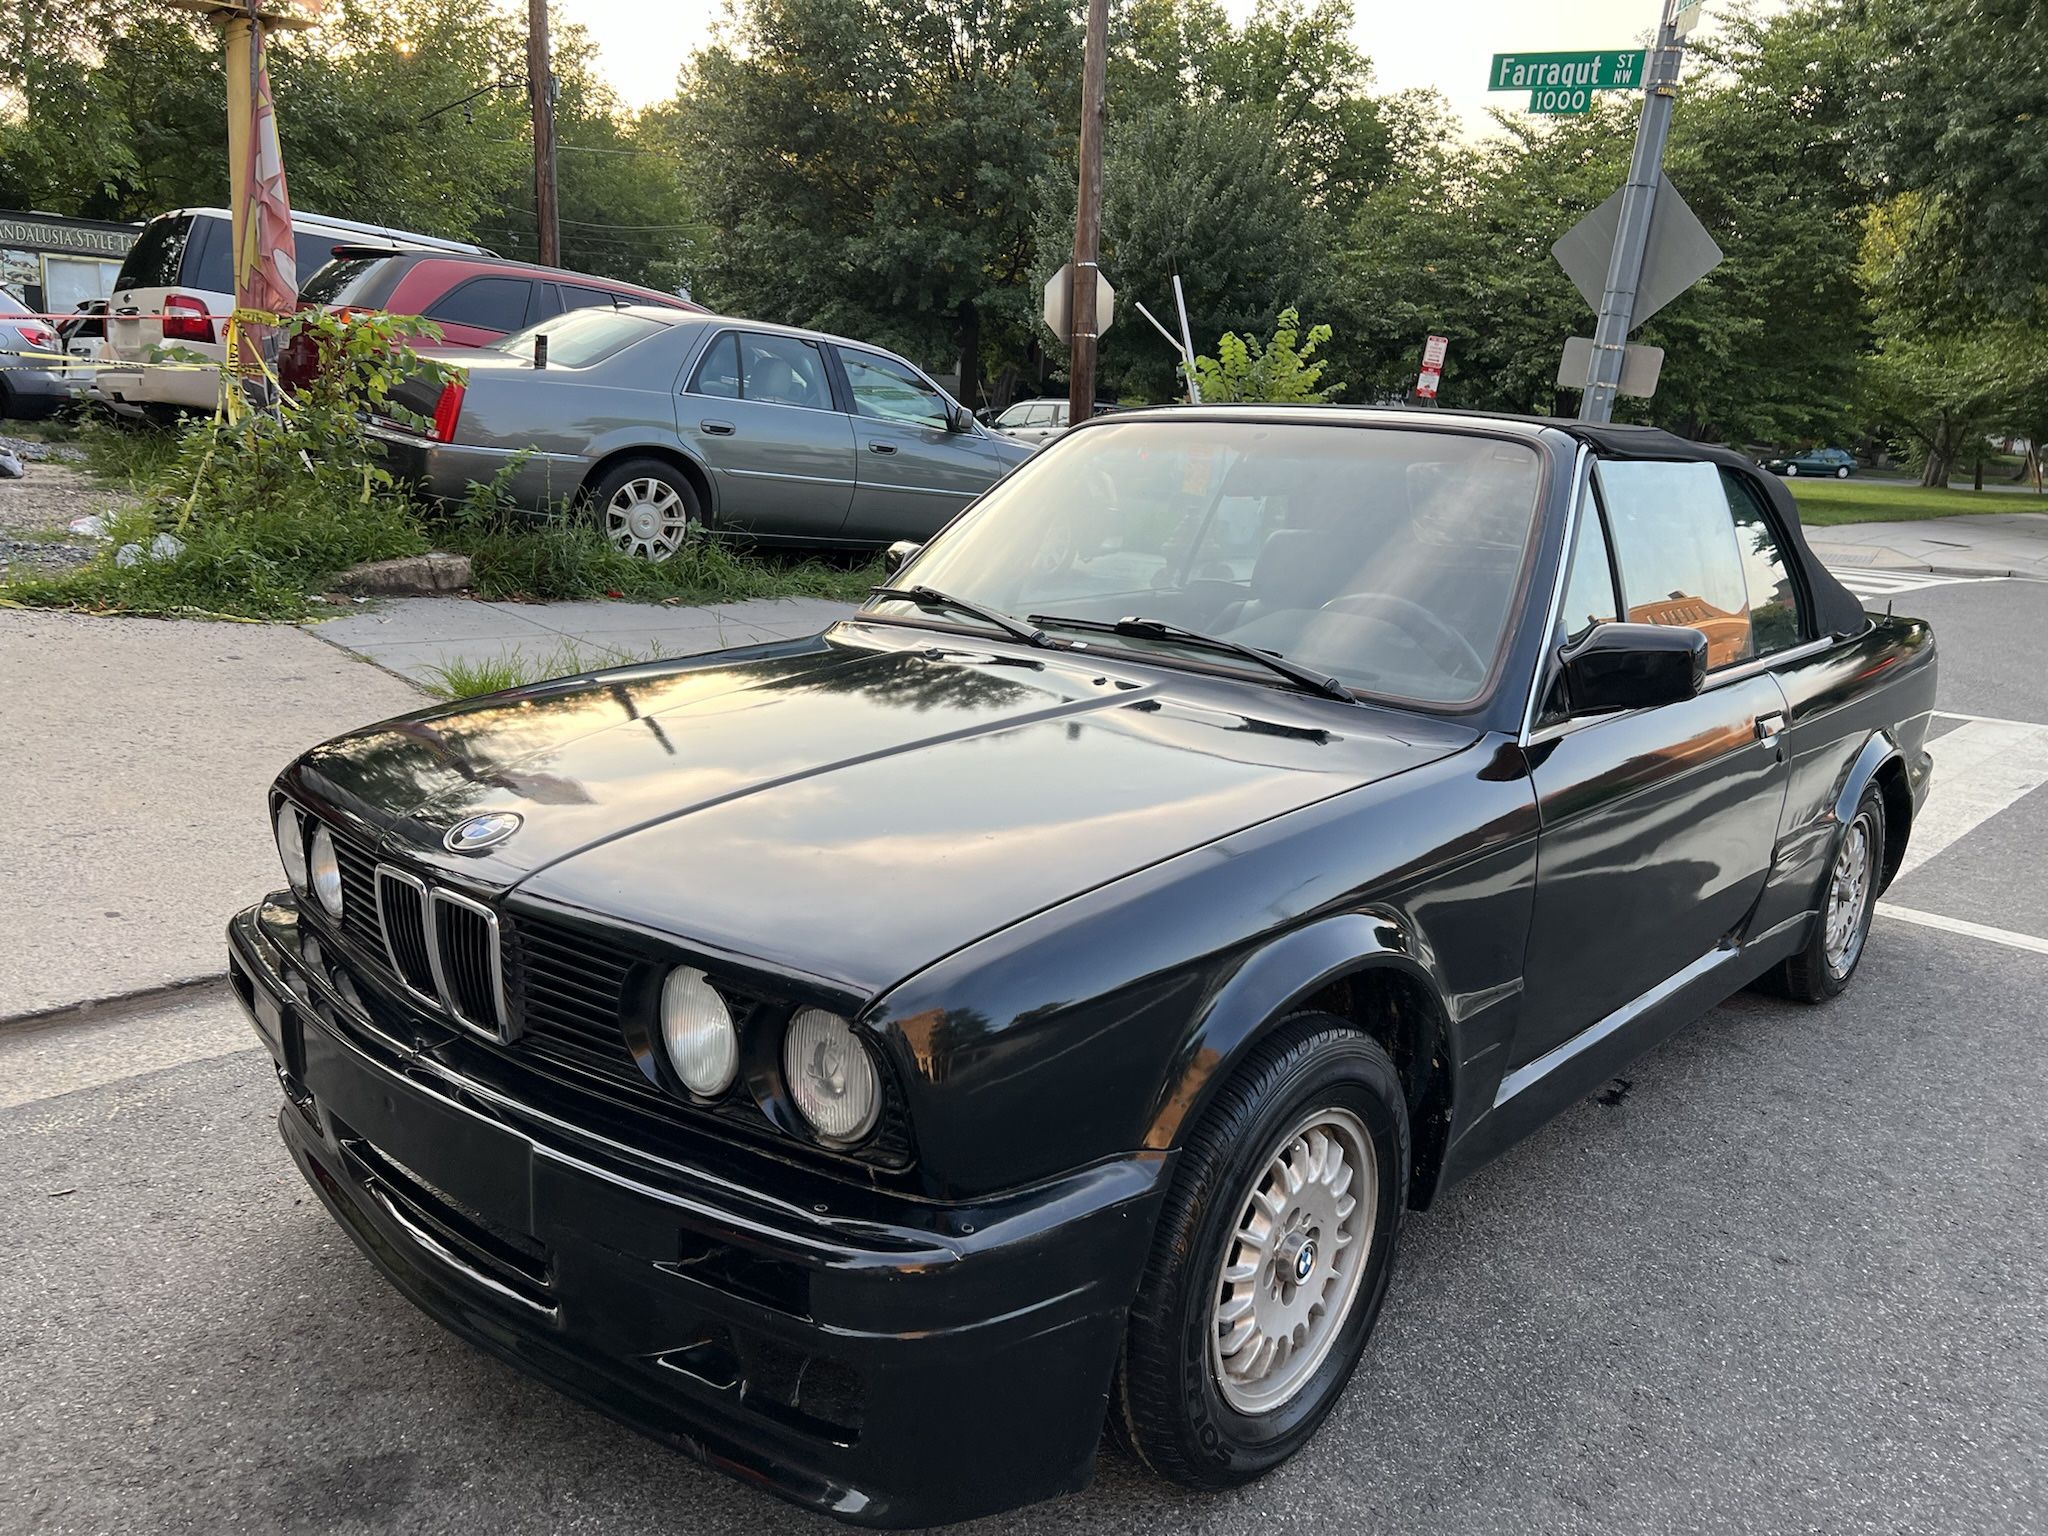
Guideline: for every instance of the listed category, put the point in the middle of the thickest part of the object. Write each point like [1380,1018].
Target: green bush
[1282,371]
[253,510]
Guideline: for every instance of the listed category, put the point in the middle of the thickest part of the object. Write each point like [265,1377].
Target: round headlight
[831,1076]
[291,844]
[696,1026]
[324,871]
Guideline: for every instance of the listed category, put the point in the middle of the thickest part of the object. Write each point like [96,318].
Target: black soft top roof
[1837,610]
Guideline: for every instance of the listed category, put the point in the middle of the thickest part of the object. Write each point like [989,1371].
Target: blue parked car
[1838,462]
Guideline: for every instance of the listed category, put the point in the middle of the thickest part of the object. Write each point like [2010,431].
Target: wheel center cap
[1298,1256]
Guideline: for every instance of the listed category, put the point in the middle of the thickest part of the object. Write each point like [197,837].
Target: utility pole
[1638,207]
[1088,219]
[540,86]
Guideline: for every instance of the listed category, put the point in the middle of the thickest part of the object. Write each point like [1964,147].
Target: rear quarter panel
[1849,709]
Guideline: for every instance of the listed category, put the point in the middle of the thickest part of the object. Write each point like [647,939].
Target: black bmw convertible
[878,1063]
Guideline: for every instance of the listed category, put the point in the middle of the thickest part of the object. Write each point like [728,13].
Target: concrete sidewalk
[417,636]
[134,761]
[1987,544]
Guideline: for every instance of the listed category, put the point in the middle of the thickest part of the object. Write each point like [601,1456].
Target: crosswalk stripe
[1866,583]
[1980,769]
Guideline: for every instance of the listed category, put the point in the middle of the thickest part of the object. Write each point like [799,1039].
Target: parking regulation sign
[1433,351]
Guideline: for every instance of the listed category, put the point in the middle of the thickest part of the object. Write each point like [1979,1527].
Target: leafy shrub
[262,505]
[1277,371]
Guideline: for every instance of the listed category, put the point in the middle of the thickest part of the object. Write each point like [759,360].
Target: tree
[1200,189]
[869,166]
[1962,120]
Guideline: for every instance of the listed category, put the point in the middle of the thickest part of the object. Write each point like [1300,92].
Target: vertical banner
[266,264]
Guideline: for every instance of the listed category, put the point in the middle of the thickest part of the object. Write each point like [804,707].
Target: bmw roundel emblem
[481,832]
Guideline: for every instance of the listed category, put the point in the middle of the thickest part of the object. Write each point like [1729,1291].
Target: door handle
[881,447]
[1769,725]
[129,309]
[717,428]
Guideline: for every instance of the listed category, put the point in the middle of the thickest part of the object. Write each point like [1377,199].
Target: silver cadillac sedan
[654,420]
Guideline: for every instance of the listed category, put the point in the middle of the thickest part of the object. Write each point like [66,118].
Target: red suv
[474,299]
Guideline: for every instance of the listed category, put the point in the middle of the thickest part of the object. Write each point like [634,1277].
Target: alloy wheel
[1292,1267]
[1849,892]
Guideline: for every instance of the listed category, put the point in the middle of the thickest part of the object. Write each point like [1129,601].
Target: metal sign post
[1638,205]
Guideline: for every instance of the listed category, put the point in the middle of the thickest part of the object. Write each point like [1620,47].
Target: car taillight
[187,318]
[448,410]
[36,336]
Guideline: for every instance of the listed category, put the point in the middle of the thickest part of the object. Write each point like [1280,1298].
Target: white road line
[1980,769]
[1950,714]
[2004,936]
[1876,583]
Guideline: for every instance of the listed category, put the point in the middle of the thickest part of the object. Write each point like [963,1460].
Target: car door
[1659,826]
[912,471]
[760,411]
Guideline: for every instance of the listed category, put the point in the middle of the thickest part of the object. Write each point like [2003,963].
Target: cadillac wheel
[646,508]
[1271,1258]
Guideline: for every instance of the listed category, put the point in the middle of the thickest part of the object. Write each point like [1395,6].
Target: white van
[176,290]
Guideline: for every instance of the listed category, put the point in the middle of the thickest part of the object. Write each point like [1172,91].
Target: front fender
[1274,981]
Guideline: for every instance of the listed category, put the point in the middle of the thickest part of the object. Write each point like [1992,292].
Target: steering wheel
[1451,651]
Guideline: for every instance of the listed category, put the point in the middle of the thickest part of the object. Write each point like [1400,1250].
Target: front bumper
[912,1365]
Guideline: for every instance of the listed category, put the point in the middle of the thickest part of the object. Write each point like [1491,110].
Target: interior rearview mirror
[899,555]
[1632,666]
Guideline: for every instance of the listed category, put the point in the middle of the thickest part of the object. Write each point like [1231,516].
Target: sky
[1445,44]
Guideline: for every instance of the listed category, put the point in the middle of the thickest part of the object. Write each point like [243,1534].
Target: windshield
[1387,557]
[582,336]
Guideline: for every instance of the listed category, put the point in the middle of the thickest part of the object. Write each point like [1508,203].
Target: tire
[1792,471]
[1842,473]
[1822,969]
[1183,1412]
[646,508]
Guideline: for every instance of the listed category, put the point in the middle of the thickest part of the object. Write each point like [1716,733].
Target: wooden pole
[1088,219]
[540,80]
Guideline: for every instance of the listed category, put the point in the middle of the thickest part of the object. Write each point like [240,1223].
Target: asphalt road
[1792,1279]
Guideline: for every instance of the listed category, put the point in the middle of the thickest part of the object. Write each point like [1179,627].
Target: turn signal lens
[831,1076]
[291,844]
[325,871]
[697,1028]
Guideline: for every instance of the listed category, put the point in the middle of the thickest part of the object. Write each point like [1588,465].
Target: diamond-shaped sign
[1680,253]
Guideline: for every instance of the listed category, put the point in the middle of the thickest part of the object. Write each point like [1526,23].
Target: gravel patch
[32,450]
[50,496]
[36,509]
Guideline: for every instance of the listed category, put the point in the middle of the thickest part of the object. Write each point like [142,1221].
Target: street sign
[1562,100]
[1687,16]
[1432,374]
[1612,69]
[1059,301]
[1640,367]
[1680,252]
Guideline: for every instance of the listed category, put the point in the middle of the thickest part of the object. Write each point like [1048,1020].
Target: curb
[99,1009]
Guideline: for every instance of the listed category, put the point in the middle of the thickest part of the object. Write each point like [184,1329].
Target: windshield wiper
[931,597]
[1159,629]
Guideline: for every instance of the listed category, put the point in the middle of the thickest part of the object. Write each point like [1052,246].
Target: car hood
[852,807]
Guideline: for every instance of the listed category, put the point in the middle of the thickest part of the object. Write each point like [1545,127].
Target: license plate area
[510,1264]
[463,1161]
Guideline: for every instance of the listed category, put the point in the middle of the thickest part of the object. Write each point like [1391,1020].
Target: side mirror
[1632,666]
[959,418]
[899,555]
